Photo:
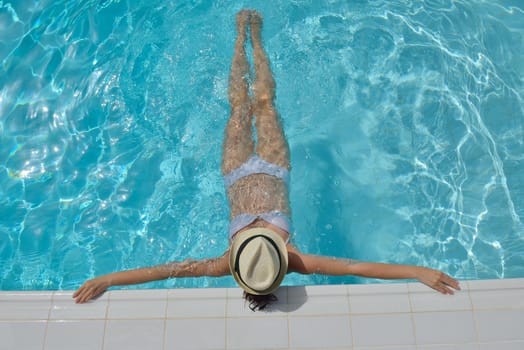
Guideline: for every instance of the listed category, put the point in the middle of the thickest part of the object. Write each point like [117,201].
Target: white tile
[472,346]
[321,332]
[416,287]
[238,307]
[322,348]
[137,304]
[424,299]
[497,299]
[381,330]
[379,298]
[257,333]
[508,283]
[455,327]
[134,335]
[318,300]
[196,303]
[377,288]
[25,305]
[206,293]
[497,294]
[393,347]
[500,325]
[340,289]
[81,335]
[502,346]
[14,335]
[64,308]
[199,334]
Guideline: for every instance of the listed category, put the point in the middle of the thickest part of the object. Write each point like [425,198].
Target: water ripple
[404,119]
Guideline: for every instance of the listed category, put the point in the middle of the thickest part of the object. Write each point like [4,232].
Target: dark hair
[259,302]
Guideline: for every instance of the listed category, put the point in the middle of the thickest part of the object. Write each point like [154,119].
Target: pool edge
[486,313]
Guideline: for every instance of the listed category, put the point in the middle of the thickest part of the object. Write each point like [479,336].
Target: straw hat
[258,260]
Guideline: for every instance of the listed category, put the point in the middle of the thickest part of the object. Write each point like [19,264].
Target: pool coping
[485,314]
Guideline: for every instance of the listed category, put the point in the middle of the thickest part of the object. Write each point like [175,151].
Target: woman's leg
[238,139]
[272,144]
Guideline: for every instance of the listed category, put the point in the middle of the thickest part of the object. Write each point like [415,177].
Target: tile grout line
[287,319]
[412,316]
[473,314]
[165,320]
[348,296]
[226,319]
[106,318]
[47,321]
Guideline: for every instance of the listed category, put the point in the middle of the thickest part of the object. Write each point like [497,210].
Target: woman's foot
[255,20]
[242,21]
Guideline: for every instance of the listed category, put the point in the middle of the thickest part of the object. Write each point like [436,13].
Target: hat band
[241,248]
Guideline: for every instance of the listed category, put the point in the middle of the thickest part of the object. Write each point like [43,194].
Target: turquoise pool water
[405,122]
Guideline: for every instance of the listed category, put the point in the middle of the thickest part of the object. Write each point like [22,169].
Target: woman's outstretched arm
[188,268]
[315,264]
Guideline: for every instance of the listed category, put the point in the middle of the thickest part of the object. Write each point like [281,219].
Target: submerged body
[257,190]
[256,176]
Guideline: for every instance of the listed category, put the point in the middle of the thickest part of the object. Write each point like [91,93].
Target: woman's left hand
[437,280]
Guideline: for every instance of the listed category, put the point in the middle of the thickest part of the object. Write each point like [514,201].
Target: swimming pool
[405,123]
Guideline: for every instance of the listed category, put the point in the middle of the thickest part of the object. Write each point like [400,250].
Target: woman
[256,179]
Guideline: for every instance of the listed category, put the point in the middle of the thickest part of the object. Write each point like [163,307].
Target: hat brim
[236,249]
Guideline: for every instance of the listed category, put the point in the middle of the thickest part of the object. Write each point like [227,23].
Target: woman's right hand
[91,289]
